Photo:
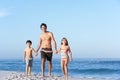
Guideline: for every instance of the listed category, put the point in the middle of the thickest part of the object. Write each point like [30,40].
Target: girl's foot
[42,75]
[66,77]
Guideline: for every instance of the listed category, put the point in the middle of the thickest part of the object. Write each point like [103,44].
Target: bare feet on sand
[49,74]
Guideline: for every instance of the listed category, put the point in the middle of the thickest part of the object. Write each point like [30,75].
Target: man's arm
[39,45]
[54,43]
[34,52]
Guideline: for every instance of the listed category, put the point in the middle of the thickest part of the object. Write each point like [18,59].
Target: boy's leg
[62,66]
[27,64]
[27,69]
[29,72]
[30,65]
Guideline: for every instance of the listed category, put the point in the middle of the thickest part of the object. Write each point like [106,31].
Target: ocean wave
[96,71]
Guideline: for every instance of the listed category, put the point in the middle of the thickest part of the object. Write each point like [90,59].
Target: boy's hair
[29,41]
[65,40]
[43,24]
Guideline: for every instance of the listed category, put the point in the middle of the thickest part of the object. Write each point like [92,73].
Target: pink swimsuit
[64,53]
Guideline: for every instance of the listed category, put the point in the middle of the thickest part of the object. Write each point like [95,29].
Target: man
[46,38]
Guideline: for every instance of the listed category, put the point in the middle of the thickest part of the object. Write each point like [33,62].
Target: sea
[85,67]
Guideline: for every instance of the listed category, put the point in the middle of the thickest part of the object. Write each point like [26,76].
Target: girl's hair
[65,40]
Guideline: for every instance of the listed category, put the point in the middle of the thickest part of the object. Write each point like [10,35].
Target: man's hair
[29,41]
[43,24]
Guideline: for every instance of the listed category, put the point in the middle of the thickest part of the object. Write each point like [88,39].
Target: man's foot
[49,74]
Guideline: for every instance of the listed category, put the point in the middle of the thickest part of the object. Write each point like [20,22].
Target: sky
[92,27]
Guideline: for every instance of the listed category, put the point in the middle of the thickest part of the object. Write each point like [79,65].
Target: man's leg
[43,59]
[49,58]
[42,66]
[49,67]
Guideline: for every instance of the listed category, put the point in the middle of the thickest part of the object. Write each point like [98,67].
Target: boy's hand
[23,59]
[36,53]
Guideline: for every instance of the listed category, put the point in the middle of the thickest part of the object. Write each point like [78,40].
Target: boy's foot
[29,74]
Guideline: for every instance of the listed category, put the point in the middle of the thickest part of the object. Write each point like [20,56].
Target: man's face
[43,28]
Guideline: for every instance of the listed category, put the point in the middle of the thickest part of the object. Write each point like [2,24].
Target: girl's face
[64,41]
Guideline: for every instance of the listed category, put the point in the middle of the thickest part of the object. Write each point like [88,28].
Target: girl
[65,49]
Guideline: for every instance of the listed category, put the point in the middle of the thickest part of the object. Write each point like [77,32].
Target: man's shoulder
[49,32]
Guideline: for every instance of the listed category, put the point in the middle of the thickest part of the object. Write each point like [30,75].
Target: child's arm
[24,55]
[34,52]
[70,54]
[59,50]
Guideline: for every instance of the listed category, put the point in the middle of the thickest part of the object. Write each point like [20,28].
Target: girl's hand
[70,59]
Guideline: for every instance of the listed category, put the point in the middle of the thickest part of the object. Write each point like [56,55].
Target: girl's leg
[62,66]
[66,68]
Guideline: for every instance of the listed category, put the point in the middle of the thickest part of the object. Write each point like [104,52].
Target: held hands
[55,51]
[36,53]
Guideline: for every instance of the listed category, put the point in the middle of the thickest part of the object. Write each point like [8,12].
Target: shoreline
[16,75]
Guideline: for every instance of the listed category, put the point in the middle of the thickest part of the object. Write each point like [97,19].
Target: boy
[28,56]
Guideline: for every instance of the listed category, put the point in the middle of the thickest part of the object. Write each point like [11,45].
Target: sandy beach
[11,75]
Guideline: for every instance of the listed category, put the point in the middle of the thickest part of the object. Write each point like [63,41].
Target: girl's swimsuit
[64,53]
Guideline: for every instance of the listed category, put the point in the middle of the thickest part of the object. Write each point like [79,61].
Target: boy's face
[28,44]
[43,28]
